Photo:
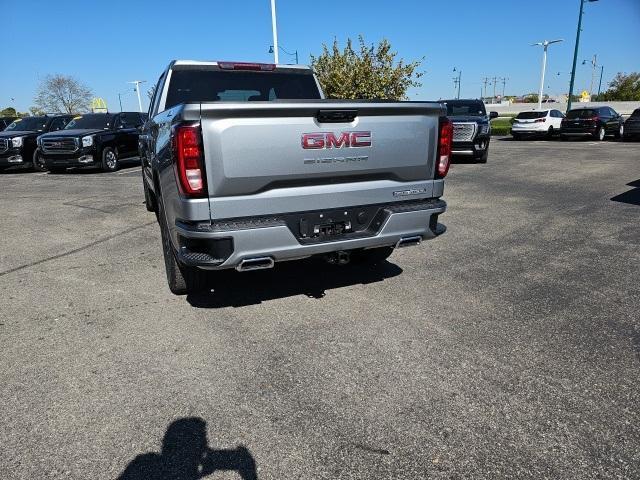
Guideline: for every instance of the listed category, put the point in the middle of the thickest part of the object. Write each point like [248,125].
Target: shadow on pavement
[631,197]
[310,277]
[186,455]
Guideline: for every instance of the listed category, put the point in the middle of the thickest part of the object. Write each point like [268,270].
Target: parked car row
[56,142]
[592,122]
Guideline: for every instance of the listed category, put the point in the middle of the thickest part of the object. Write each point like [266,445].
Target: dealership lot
[509,347]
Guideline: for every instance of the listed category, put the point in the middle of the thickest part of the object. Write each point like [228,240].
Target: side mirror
[493,115]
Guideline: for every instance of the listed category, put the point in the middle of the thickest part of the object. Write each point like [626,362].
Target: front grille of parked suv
[59,145]
[4,145]
[464,131]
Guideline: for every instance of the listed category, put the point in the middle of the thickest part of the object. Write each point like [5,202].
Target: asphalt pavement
[507,348]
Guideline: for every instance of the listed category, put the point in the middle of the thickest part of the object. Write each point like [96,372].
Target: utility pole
[495,79]
[137,88]
[504,83]
[485,80]
[594,63]
[575,52]
[274,28]
[457,80]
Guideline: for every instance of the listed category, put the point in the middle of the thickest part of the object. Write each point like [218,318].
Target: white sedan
[537,123]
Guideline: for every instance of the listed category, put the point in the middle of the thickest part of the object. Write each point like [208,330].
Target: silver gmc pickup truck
[246,165]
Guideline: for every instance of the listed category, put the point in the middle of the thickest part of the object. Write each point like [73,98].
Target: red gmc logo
[319,140]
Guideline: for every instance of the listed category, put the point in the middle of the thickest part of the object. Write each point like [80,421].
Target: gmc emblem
[320,140]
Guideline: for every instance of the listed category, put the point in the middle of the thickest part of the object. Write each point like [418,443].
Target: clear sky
[106,43]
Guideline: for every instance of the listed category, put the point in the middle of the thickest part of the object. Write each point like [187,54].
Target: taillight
[188,160]
[444,147]
[540,120]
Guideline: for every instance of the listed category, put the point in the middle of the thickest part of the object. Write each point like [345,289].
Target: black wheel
[109,160]
[57,170]
[38,162]
[181,279]
[550,133]
[371,256]
[600,134]
[149,199]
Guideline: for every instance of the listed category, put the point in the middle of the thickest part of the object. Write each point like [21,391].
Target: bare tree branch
[60,93]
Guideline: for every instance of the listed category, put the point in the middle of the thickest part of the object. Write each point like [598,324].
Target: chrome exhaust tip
[258,263]
[409,241]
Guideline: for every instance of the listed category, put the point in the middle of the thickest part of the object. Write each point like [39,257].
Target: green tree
[8,112]
[623,87]
[369,73]
[60,93]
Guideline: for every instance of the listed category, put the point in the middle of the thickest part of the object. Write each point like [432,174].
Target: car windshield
[213,85]
[531,115]
[89,121]
[582,113]
[465,108]
[31,124]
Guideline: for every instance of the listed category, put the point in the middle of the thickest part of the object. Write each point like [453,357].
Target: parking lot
[507,348]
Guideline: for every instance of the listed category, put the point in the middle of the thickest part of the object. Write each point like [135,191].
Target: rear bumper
[272,238]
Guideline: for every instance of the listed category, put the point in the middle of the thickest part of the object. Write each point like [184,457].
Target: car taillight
[188,160]
[540,120]
[444,147]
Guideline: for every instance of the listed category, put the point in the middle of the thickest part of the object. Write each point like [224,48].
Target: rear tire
[371,256]
[550,133]
[600,134]
[38,163]
[181,279]
[110,160]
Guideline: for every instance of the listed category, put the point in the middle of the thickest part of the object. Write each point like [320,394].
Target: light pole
[457,80]
[545,44]
[137,87]
[600,84]
[295,53]
[274,27]
[575,52]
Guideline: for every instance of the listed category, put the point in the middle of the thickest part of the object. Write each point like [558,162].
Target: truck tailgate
[256,147]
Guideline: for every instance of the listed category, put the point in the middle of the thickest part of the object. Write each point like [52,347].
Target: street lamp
[545,44]
[575,52]
[457,80]
[271,50]
[137,87]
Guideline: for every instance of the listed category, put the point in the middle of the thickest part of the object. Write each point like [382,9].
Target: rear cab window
[209,83]
[462,108]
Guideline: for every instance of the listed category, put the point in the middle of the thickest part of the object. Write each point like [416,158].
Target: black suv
[596,122]
[471,128]
[18,140]
[93,139]
[6,121]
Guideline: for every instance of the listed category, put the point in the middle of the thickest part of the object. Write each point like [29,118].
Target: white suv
[537,123]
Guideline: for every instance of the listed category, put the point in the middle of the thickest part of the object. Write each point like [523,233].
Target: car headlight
[484,129]
[16,142]
[87,141]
